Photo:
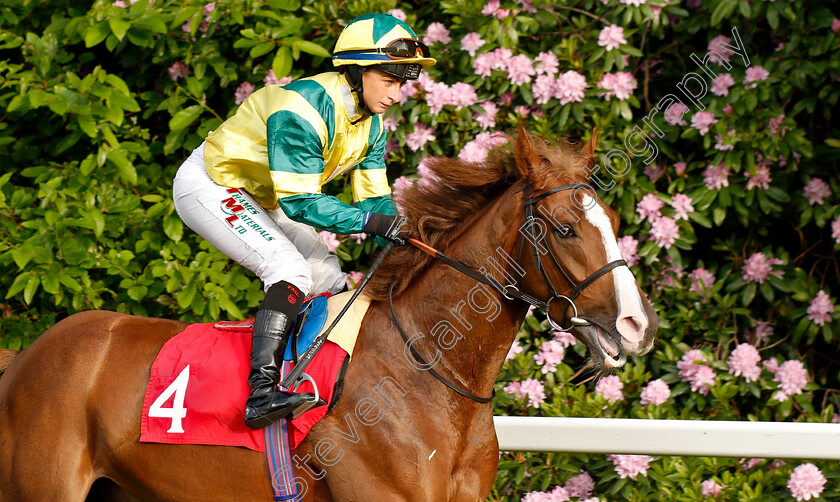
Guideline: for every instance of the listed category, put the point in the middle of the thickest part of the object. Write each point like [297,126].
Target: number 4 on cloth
[177,412]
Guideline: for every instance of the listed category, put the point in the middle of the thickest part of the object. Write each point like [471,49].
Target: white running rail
[704,438]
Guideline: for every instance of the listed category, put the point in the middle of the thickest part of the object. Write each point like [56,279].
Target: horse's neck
[445,304]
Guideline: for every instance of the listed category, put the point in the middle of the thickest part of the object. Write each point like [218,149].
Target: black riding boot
[267,403]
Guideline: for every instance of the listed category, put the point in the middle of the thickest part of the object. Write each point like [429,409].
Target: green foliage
[101,103]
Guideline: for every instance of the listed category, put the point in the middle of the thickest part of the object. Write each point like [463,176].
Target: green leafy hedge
[101,103]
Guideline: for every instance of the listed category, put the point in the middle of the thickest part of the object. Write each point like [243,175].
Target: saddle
[198,382]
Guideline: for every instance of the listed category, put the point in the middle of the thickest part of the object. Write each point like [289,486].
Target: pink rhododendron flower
[701,278]
[835,230]
[408,90]
[397,13]
[761,179]
[762,333]
[816,191]
[630,466]
[271,79]
[674,114]
[664,231]
[758,267]
[330,239]
[699,376]
[621,85]
[611,37]
[547,63]
[716,177]
[653,171]
[722,145]
[702,121]
[835,25]
[743,361]
[569,87]
[682,206]
[771,365]
[520,69]
[242,92]
[635,3]
[119,3]
[535,391]
[550,355]
[580,486]
[792,378]
[656,392]
[774,124]
[806,481]
[559,494]
[471,43]
[438,95]
[710,488]
[493,8]
[527,6]
[610,387]
[564,338]
[514,349]
[390,123]
[484,64]
[748,464]
[648,208]
[629,248]
[353,279]
[727,109]
[436,32]
[721,84]
[680,167]
[178,70]
[544,88]
[821,308]
[357,237]
[487,120]
[422,134]
[755,74]
[477,149]
[400,185]
[715,46]
[462,95]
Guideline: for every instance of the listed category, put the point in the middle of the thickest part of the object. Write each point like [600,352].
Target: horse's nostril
[629,324]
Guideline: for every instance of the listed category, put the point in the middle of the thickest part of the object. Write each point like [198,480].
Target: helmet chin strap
[354,75]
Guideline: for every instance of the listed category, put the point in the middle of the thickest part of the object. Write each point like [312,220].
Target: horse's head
[575,256]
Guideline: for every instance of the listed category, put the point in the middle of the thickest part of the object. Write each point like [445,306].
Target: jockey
[253,188]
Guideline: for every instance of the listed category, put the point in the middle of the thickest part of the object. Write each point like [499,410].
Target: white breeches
[265,242]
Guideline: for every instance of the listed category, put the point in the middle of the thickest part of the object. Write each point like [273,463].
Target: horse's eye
[565,231]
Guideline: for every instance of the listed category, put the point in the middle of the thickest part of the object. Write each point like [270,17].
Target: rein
[510,291]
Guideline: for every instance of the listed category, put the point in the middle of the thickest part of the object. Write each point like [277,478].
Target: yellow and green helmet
[385,42]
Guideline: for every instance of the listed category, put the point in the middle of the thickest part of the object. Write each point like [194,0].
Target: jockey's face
[381,90]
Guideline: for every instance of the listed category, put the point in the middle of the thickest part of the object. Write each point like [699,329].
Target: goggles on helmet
[401,48]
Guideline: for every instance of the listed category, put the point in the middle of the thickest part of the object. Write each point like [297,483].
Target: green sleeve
[323,211]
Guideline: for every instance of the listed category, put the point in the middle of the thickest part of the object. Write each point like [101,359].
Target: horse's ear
[526,157]
[589,147]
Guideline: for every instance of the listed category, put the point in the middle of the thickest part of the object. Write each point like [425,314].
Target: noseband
[510,291]
[577,288]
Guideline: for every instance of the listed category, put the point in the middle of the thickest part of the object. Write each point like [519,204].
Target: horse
[521,225]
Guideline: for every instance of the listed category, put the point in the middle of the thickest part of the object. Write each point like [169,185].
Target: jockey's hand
[387,226]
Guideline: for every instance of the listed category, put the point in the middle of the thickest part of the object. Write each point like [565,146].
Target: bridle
[510,291]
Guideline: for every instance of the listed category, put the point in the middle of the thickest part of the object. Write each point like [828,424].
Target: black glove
[387,226]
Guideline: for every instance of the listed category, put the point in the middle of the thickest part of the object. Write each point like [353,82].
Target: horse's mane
[454,190]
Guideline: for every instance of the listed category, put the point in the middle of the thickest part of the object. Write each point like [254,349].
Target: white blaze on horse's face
[632,322]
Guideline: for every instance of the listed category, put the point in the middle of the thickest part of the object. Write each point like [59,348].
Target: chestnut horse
[70,404]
